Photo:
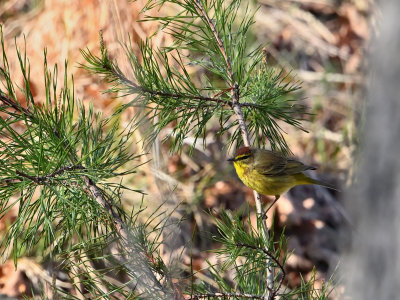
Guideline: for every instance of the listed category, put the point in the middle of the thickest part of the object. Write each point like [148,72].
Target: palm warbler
[270,173]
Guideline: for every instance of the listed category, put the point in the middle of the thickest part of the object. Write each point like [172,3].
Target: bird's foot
[272,204]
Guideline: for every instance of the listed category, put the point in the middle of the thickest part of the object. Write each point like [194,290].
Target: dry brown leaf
[13,282]
[358,22]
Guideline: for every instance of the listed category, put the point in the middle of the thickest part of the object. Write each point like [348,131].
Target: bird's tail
[327,185]
[304,179]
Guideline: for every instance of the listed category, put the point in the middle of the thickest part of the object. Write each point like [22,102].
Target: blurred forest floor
[322,43]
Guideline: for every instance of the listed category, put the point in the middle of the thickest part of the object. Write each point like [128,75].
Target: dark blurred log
[374,263]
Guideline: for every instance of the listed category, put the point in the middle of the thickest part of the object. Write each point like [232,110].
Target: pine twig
[132,84]
[14,105]
[271,256]
[47,178]
[235,88]
[218,39]
[138,262]
[129,83]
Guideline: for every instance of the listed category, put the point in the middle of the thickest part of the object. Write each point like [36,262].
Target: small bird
[271,173]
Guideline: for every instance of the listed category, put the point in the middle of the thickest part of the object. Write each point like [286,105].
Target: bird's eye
[243,157]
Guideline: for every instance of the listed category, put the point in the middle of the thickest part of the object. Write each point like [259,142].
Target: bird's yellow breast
[266,185]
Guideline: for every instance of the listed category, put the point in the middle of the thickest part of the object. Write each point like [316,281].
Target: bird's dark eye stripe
[242,157]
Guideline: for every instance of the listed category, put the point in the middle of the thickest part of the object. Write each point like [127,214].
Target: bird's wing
[270,163]
[294,166]
[274,164]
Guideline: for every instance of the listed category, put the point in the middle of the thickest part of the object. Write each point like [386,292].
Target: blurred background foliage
[321,43]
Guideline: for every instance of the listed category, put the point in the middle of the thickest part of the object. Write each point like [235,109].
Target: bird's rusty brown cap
[240,152]
[243,151]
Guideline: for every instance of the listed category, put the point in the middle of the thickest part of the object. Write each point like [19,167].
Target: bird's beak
[232,159]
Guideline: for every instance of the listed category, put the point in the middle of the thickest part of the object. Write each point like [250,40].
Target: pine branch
[147,283]
[258,96]
[246,139]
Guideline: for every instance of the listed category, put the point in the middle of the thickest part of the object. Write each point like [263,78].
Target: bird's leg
[276,199]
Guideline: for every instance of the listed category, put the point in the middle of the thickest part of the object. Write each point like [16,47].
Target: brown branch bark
[47,178]
[7,101]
